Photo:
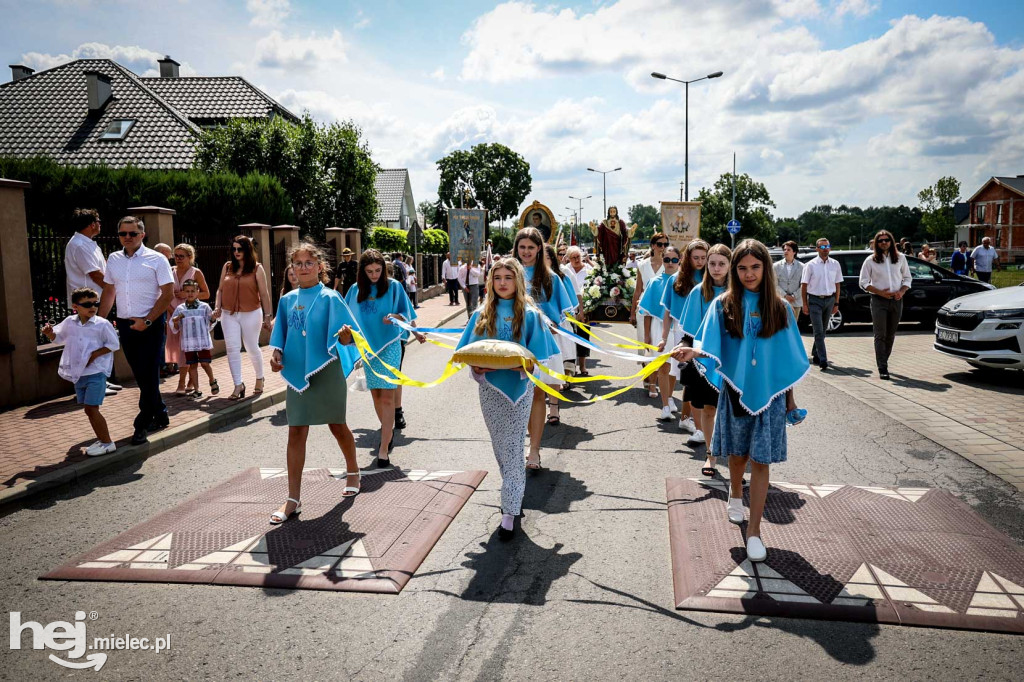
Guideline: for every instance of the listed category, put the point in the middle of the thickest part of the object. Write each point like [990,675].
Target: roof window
[118,129]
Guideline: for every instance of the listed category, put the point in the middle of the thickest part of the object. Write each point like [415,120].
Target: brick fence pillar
[18,359]
[159,224]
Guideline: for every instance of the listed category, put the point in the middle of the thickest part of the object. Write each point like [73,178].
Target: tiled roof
[48,114]
[390,186]
[213,98]
[1016,184]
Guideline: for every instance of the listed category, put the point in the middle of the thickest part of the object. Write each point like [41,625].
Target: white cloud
[297,53]
[268,13]
[139,59]
[362,21]
[438,74]
[858,8]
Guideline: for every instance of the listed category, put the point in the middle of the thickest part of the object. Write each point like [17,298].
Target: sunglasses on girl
[671,260]
[659,244]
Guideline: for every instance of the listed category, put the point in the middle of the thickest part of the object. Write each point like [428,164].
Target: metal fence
[49,278]
[431,271]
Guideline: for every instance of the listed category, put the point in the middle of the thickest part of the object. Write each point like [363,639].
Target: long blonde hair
[487,320]
[707,287]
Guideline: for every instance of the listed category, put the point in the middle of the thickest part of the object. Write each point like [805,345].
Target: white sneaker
[756,551]
[666,414]
[697,437]
[109,392]
[98,448]
[672,406]
[113,387]
[687,425]
[735,510]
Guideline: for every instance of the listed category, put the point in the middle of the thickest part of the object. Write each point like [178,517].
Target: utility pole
[680,190]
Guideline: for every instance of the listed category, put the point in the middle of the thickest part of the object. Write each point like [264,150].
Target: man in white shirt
[471,276]
[886,276]
[83,260]
[450,275]
[820,285]
[985,257]
[631,262]
[140,281]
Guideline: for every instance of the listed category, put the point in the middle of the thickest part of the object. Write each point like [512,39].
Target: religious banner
[680,222]
[467,228]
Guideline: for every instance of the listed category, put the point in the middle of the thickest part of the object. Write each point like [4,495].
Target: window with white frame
[981,213]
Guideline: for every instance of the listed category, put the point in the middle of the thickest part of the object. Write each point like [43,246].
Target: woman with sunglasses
[244,308]
[653,312]
[886,276]
[646,271]
[184,269]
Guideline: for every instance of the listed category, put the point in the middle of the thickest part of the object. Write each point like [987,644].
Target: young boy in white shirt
[86,361]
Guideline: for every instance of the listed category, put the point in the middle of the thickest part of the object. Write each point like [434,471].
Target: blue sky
[825,101]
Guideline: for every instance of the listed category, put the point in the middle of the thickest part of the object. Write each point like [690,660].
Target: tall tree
[647,220]
[429,211]
[326,170]
[937,207]
[753,204]
[491,176]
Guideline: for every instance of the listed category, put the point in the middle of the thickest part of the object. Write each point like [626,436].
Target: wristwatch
[148,322]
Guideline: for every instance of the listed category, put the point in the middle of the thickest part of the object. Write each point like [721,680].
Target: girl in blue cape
[551,298]
[506,397]
[703,393]
[650,310]
[566,346]
[312,340]
[750,336]
[374,300]
[673,300]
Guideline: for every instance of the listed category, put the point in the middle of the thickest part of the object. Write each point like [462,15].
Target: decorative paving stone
[373,542]
[910,556]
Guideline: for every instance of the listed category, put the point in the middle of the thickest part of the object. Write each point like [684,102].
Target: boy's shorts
[195,357]
[90,389]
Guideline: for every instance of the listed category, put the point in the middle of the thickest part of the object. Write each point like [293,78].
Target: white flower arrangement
[607,286]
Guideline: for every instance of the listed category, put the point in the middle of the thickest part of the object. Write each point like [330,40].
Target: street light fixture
[604,186]
[661,76]
[579,214]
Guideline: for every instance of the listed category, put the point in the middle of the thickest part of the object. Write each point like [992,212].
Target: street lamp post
[686,162]
[579,214]
[604,187]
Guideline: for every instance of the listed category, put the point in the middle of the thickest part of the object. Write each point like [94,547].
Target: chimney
[98,87]
[18,72]
[168,67]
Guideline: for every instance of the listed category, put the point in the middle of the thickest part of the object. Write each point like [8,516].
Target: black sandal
[710,472]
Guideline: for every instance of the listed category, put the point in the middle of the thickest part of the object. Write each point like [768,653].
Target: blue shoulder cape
[673,302]
[321,312]
[536,338]
[370,313]
[758,369]
[651,301]
[558,305]
[696,308]
[571,291]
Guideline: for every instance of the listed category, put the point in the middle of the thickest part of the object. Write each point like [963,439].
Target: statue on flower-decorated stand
[614,238]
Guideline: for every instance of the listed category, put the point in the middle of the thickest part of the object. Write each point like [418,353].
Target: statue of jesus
[613,238]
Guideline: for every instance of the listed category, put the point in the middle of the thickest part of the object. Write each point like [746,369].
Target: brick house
[997,211]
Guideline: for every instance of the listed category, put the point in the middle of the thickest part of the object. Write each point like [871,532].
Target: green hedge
[434,241]
[215,202]
[388,240]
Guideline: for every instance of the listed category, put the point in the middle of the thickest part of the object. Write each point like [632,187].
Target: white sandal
[351,490]
[280,517]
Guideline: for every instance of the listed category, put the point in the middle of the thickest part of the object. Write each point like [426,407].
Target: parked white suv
[985,329]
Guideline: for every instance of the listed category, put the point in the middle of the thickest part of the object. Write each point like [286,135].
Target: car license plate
[948,336]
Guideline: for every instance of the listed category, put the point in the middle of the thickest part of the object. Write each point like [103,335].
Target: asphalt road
[584,592]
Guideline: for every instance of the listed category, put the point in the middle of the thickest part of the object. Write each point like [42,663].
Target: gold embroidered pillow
[494,354]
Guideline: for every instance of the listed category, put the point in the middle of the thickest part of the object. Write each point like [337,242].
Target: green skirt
[323,402]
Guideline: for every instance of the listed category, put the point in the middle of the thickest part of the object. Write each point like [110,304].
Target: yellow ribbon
[451,369]
[632,345]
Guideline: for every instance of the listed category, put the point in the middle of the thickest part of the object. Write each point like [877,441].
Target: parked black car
[931,288]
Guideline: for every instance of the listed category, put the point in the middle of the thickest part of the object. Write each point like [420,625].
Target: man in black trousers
[140,281]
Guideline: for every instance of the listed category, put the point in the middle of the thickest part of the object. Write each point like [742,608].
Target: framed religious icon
[540,216]
[467,229]
[680,222]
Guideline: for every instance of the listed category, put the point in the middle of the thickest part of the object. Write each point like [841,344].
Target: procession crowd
[720,324]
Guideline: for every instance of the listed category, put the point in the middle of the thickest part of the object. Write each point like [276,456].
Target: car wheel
[836,322]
